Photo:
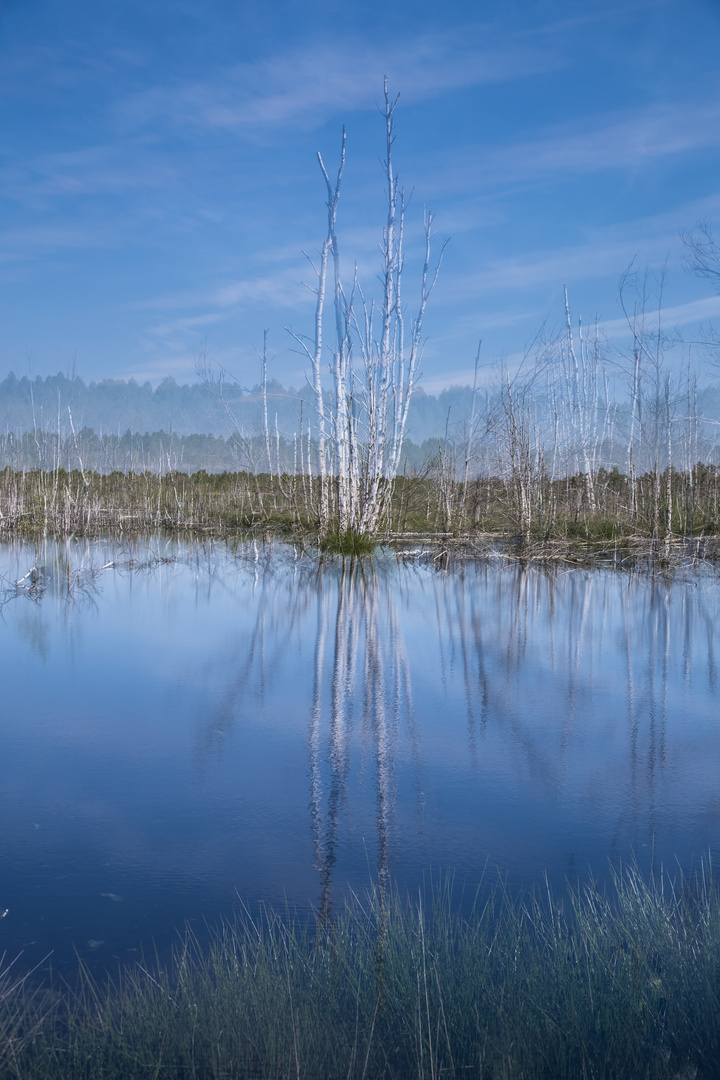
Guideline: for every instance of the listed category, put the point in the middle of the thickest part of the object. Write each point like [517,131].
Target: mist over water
[187,726]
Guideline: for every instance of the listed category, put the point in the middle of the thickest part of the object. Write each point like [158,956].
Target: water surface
[192,726]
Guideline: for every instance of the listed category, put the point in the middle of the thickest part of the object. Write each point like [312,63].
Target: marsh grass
[350,543]
[61,503]
[603,986]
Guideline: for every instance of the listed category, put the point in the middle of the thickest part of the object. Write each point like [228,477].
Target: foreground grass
[603,987]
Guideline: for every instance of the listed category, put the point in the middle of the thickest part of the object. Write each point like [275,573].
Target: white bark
[361,434]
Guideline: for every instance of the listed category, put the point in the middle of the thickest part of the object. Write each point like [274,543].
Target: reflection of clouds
[33,629]
[255,659]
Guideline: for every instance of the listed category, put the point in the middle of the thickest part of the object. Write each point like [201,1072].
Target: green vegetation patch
[348,543]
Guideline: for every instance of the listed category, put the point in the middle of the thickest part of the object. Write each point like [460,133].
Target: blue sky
[158,178]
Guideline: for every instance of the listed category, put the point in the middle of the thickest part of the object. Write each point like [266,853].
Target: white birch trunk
[361,436]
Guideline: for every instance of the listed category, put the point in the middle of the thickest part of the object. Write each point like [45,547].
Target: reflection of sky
[177,735]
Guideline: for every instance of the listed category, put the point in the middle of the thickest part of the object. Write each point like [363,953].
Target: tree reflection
[356,611]
[569,683]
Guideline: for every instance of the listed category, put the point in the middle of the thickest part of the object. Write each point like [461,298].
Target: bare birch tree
[703,257]
[362,423]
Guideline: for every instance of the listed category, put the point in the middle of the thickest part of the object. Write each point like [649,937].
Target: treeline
[59,403]
[551,415]
[166,451]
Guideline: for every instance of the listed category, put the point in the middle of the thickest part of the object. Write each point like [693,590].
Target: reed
[604,985]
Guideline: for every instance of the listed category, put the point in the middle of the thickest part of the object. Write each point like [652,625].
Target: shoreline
[608,985]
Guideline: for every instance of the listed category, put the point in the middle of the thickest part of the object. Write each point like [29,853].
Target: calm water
[180,735]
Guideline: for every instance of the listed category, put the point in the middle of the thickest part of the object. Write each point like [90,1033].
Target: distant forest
[116,425]
[128,426]
[113,407]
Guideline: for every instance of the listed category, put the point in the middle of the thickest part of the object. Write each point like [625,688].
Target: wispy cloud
[35,240]
[636,137]
[303,85]
[677,316]
[39,181]
[627,141]
[195,324]
[605,252]
[560,266]
[281,289]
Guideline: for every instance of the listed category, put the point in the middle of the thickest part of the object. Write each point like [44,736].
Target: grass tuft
[350,543]
[619,985]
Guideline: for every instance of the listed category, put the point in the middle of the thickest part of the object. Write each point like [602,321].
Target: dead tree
[362,423]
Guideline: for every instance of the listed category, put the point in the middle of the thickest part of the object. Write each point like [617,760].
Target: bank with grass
[610,985]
